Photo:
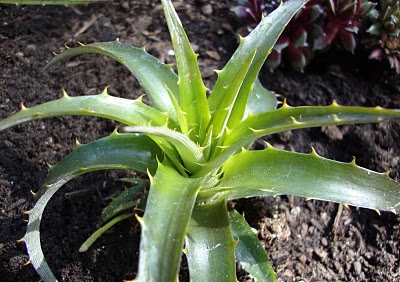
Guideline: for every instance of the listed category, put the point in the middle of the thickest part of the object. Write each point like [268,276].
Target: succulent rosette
[386,28]
[343,22]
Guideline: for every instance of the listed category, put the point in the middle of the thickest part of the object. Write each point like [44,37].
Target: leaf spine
[22,106]
[54,53]
[77,143]
[33,193]
[105,91]
[387,173]
[313,152]
[378,212]
[335,118]
[64,93]
[255,130]
[26,212]
[346,206]
[284,104]
[294,120]
[20,240]
[353,161]
[80,43]
[115,131]
[269,146]
[334,103]
[27,263]
[139,219]
[66,46]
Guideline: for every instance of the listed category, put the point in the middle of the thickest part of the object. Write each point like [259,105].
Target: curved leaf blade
[152,74]
[249,252]
[117,151]
[103,105]
[89,242]
[277,172]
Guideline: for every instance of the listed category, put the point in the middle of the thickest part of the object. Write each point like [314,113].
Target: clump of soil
[309,240]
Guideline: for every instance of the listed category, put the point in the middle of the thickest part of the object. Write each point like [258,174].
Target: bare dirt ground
[307,240]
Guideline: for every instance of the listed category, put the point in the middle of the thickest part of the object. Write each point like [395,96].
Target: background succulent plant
[317,26]
[385,31]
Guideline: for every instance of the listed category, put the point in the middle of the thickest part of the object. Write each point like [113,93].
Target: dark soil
[307,240]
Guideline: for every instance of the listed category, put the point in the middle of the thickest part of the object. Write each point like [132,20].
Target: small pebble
[207,9]
[357,267]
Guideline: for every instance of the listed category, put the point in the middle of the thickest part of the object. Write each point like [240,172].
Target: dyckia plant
[193,147]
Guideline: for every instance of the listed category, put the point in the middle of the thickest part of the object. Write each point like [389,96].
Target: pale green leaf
[129,112]
[164,225]
[249,252]
[118,151]
[193,99]
[210,248]
[152,74]
[260,40]
[275,172]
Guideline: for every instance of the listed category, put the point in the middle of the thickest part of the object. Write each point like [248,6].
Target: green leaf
[260,40]
[103,105]
[89,242]
[290,118]
[191,154]
[275,172]
[117,151]
[152,74]
[124,201]
[210,248]
[249,252]
[169,207]
[193,99]
[224,111]
[261,100]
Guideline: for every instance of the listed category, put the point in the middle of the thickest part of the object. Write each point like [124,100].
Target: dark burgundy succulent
[342,23]
[316,27]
